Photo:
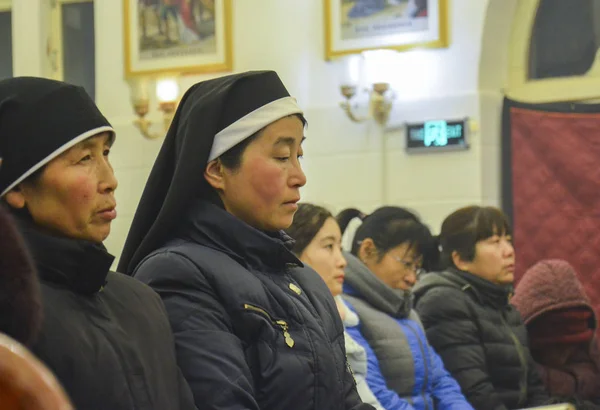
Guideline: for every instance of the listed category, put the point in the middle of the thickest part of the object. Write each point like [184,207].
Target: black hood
[177,178]
[39,120]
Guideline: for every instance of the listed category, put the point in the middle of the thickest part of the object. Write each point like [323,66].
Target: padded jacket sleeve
[453,333]
[388,398]
[447,392]
[365,392]
[209,354]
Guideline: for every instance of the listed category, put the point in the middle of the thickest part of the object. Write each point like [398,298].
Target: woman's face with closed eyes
[265,189]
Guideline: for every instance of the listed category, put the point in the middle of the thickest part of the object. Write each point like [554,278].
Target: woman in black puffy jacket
[467,316]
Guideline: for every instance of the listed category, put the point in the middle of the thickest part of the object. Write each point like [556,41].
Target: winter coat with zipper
[404,372]
[254,328]
[481,339]
[104,335]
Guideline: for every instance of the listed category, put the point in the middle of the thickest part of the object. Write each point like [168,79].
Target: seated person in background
[105,335]
[469,321]
[404,371]
[561,322]
[351,218]
[318,238]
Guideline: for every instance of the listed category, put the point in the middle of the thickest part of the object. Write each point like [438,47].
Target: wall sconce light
[370,72]
[167,94]
[380,102]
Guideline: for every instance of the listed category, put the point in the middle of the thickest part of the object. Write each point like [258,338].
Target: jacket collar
[210,225]
[486,291]
[363,283]
[77,265]
[481,289]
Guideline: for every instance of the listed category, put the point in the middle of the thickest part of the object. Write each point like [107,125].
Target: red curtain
[555,190]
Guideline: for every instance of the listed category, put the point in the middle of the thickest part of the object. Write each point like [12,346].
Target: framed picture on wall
[172,36]
[354,26]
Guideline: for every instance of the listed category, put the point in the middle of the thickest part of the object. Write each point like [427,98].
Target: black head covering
[39,120]
[206,109]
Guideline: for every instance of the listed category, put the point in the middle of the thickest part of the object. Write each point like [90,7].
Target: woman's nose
[340,261]
[411,277]
[509,249]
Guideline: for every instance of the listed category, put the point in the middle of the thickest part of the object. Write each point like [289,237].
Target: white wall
[342,159]
[493,73]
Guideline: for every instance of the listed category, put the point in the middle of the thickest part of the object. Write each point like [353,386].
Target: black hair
[389,227]
[346,216]
[232,158]
[308,221]
[23,213]
[462,229]
[35,177]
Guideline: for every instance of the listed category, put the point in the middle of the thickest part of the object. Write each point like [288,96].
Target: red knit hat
[547,286]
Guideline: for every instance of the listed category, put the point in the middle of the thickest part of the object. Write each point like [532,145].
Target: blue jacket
[403,370]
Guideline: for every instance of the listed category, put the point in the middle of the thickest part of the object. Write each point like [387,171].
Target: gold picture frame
[354,26]
[166,37]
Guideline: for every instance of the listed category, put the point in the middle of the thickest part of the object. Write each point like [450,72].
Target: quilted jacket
[254,328]
[481,339]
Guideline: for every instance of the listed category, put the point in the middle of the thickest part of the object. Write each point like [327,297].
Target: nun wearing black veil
[254,328]
[104,335]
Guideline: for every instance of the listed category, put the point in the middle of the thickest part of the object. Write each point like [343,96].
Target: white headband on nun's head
[63,148]
[251,123]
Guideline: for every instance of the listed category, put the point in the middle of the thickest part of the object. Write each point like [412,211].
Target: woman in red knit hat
[561,321]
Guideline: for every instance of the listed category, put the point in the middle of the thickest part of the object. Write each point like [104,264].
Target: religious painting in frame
[177,36]
[354,26]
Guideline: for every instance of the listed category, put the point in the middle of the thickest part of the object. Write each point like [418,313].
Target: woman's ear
[214,173]
[367,251]
[459,262]
[15,198]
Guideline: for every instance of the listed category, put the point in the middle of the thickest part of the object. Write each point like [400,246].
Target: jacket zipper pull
[286,335]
